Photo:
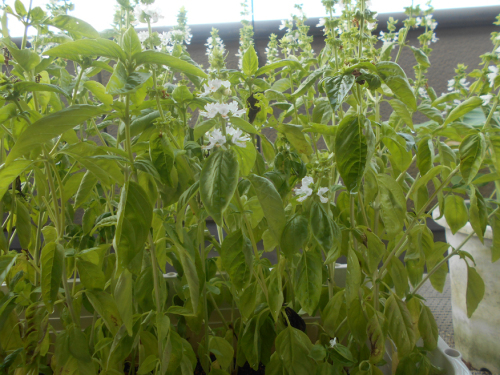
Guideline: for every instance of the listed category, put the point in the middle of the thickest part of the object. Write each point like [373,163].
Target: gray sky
[99,12]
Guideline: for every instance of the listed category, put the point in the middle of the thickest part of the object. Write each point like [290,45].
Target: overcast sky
[99,12]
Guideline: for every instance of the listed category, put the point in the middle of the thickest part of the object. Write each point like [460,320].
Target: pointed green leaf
[475,290]
[309,280]
[52,272]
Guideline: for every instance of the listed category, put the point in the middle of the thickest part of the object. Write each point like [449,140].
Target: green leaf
[74,25]
[237,258]
[421,57]
[279,64]
[182,94]
[353,277]
[296,137]
[250,61]
[451,96]
[51,273]
[400,325]
[331,313]
[309,279]
[395,77]
[135,215]
[223,351]
[475,290]
[162,156]
[131,42]
[218,182]
[91,275]
[428,328]
[27,86]
[375,251]
[472,152]
[26,58]
[337,88]
[455,212]
[85,190]
[99,91]
[351,152]
[242,124]
[495,227]
[399,277]
[6,263]
[271,203]
[106,307]
[293,347]
[425,155]
[23,224]
[50,126]
[148,365]
[123,293]
[356,320]
[87,48]
[402,111]
[376,336]
[246,158]
[392,203]
[160,58]
[323,228]
[123,83]
[478,213]
[438,278]
[462,109]
[307,83]
[431,112]
[20,9]
[295,234]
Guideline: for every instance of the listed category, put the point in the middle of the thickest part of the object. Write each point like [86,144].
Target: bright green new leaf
[131,42]
[250,61]
[99,91]
[74,25]
[242,124]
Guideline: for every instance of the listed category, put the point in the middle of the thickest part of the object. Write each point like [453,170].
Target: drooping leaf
[428,328]
[455,212]
[309,280]
[293,347]
[106,307]
[218,181]
[351,152]
[475,290]
[52,259]
[323,228]
[237,258]
[295,235]
[472,152]
[395,77]
[400,325]
[393,204]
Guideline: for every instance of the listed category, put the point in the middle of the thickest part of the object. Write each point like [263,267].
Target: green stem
[77,84]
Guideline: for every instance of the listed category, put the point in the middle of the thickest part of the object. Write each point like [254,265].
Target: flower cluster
[216,51]
[306,191]
[224,109]
[462,83]
[144,12]
[214,85]
[427,22]
[235,136]
[493,73]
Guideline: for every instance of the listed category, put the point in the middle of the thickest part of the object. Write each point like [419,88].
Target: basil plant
[108,185]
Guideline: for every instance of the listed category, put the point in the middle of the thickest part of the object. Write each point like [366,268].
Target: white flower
[423,93]
[418,20]
[283,24]
[237,137]
[320,194]
[212,109]
[464,83]
[216,139]
[213,85]
[382,35]
[497,50]
[321,22]
[429,22]
[304,191]
[493,74]
[486,99]
[371,25]
[333,342]
[54,2]
[434,39]
[154,14]
[165,38]
[143,35]
[233,108]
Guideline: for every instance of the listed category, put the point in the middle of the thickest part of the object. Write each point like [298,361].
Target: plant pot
[477,338]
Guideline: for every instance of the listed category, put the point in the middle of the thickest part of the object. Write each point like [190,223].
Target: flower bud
[227,92]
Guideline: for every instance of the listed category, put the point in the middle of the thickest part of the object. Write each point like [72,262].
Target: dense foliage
[87,294]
